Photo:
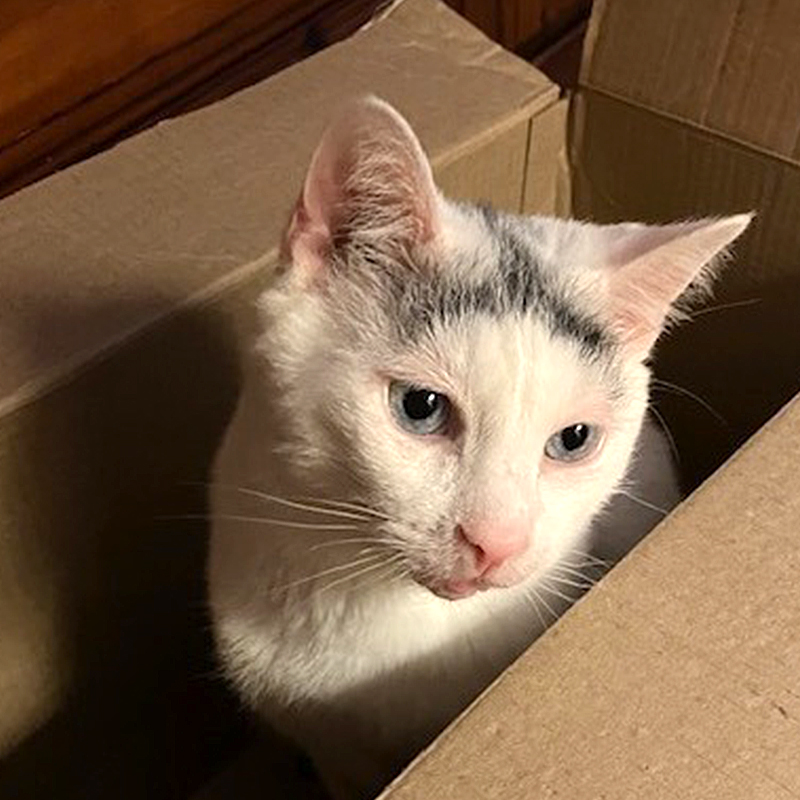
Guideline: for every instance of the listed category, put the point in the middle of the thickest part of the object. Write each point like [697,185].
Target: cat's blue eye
[573,443]
[419,410]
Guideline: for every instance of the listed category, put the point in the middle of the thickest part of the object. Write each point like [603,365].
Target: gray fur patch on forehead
[517,284]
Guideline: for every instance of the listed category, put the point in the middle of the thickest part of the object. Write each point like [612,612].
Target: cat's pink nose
[492,544]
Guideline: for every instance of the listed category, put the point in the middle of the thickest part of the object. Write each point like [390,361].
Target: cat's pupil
[420,404]
[574,437]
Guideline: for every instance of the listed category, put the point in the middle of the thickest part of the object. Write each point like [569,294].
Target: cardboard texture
[545,187]
[706,123]
[730,65]
[127,283]
[124,280]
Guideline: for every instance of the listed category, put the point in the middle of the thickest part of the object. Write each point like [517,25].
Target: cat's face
[479,376]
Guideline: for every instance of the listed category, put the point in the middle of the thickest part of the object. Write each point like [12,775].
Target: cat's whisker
[405,571]
[725,307]
[562,566]
[395,572]
[284,523]
[358,574]
[374,549]
[667,386]
[561,580]
[585,563]
[354,540]
[531,601]
[673,447]
[588,574]
[303,506]
[571,586]
[578,578]
[586,560]
[543,602]
[580,566]
[329,571]
[288,503]
[642,502]
[352,507]
[585,555]
[557,592]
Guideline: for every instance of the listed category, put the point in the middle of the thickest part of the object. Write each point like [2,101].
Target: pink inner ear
[323,189]
[650,267]
[305,242]
[368,177]
[629,241]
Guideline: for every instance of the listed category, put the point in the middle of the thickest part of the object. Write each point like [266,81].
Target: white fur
[363,670]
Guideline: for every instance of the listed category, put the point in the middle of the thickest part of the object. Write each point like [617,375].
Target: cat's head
[482,376]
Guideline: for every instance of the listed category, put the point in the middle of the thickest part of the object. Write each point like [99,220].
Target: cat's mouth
[471,571]
[454,590]
[458,588]
[452,586]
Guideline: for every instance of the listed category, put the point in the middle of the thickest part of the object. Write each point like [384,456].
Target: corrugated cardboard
[726,66]
[688,109]
[546,191]
[124,280]
[675,678]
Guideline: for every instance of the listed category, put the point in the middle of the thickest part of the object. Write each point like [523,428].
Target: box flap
[95,253]
[676,676]
[735,364]
[729,66]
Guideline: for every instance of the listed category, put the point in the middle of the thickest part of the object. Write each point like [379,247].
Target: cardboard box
[125,282]
[128,283]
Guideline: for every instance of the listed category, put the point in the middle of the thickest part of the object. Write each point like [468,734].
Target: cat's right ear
[650,267]
[369,183]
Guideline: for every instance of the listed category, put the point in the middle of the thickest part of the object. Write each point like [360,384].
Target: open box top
[153,223]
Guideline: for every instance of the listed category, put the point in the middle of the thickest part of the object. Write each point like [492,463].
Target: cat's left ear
[369,182]
[650,267]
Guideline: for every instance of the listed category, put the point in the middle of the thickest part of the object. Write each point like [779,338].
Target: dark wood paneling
[77,75]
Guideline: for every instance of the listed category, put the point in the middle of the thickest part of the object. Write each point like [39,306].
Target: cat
[463,393]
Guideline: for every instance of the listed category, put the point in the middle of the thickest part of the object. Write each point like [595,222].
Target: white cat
[461,393]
